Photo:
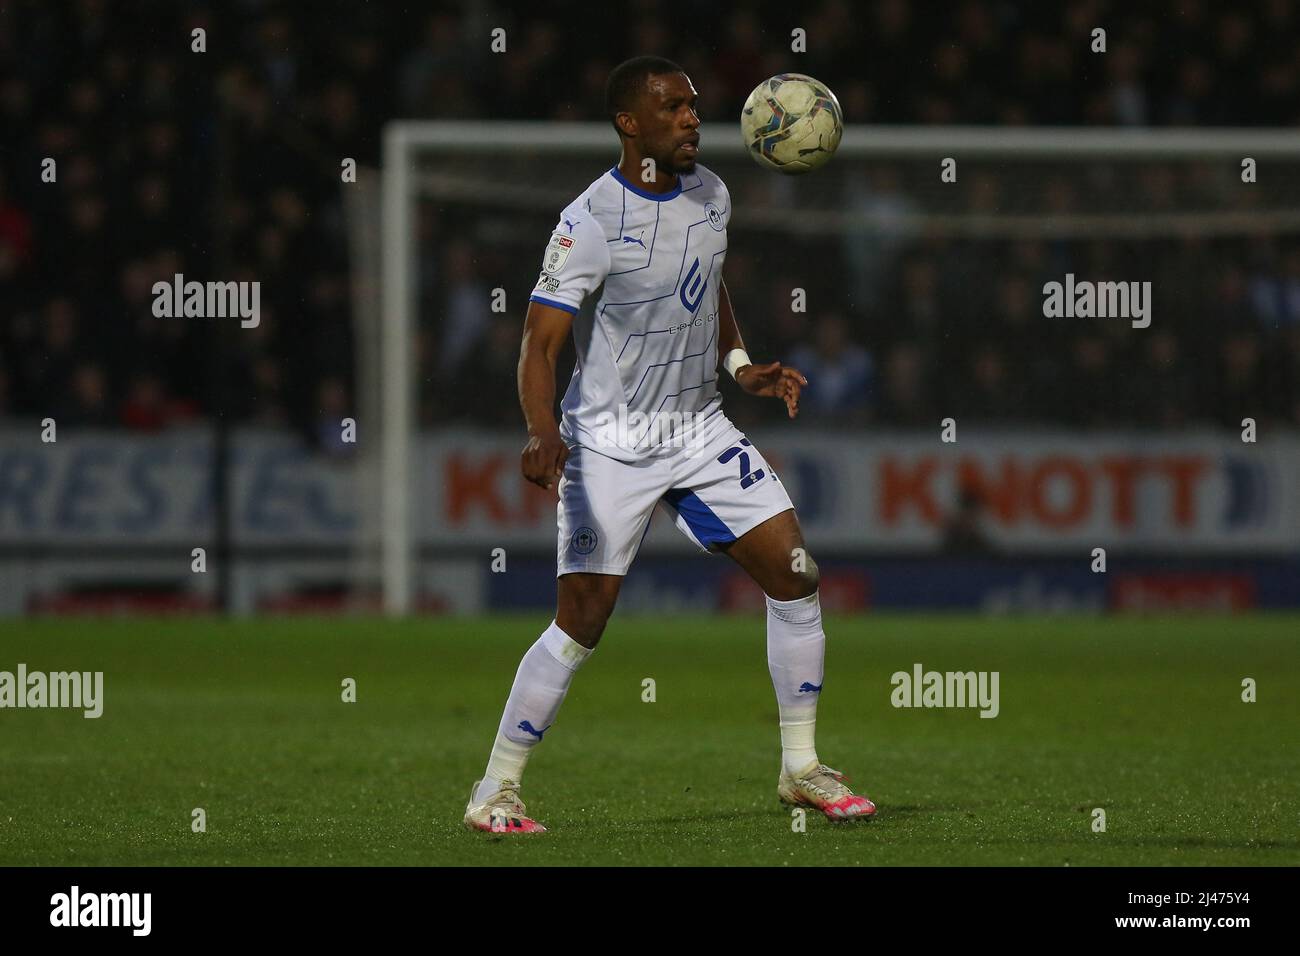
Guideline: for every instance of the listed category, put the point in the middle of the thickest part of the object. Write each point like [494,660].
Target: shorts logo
[557,252]
[549,283]
[584,541]
[715,216]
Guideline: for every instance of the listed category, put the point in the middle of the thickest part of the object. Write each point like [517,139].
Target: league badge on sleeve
[557,252]
[715,216]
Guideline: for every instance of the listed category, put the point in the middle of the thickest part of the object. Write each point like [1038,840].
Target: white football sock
[539,688]
[796,646]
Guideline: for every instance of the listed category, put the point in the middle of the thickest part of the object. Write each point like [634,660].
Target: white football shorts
[714,494]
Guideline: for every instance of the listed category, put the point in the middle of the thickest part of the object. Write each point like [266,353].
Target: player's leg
[584,604]
[604,510]
[733,502]
[775,556]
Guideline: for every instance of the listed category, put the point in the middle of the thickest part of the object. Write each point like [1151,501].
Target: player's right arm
[545,329]
[575,263]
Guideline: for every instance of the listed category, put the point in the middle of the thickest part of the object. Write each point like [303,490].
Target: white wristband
[736,359]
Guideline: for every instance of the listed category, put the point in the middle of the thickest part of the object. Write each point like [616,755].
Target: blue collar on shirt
[657,197]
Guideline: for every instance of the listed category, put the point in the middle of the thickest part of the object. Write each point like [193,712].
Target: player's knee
[811,578]
[808,580]
[585,628]
[583,613]
[798,582]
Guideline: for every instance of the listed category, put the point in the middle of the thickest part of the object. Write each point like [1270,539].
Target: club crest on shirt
[715,216]
[557,252]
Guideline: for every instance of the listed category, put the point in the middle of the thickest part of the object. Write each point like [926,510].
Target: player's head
[651,102]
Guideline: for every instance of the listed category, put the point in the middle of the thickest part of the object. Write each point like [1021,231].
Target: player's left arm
[772,379]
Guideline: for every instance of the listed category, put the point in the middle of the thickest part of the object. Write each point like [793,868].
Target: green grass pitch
[1140,716]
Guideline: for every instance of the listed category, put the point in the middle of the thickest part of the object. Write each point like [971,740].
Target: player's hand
[775,381]
[544,457]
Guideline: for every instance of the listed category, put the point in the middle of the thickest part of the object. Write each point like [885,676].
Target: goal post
[397,398]
[525,172]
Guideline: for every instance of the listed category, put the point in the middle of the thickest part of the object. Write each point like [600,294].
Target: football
[791,123]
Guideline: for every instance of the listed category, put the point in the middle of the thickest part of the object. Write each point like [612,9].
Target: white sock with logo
[796,646]
[539,688]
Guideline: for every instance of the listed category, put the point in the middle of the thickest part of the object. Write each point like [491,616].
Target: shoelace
[508,798]
[831,772]
[823,770]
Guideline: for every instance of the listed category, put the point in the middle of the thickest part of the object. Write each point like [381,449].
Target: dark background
[225,165]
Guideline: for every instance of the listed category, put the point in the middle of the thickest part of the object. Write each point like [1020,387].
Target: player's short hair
[627,82]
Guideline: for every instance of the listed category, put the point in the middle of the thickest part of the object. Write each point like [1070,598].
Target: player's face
[669,128]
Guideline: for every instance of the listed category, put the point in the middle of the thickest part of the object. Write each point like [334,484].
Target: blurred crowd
[225,165]
[956,328]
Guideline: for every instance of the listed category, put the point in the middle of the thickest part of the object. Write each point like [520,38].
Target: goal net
[921,236]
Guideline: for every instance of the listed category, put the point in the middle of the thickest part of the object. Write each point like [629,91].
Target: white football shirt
[645,383]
